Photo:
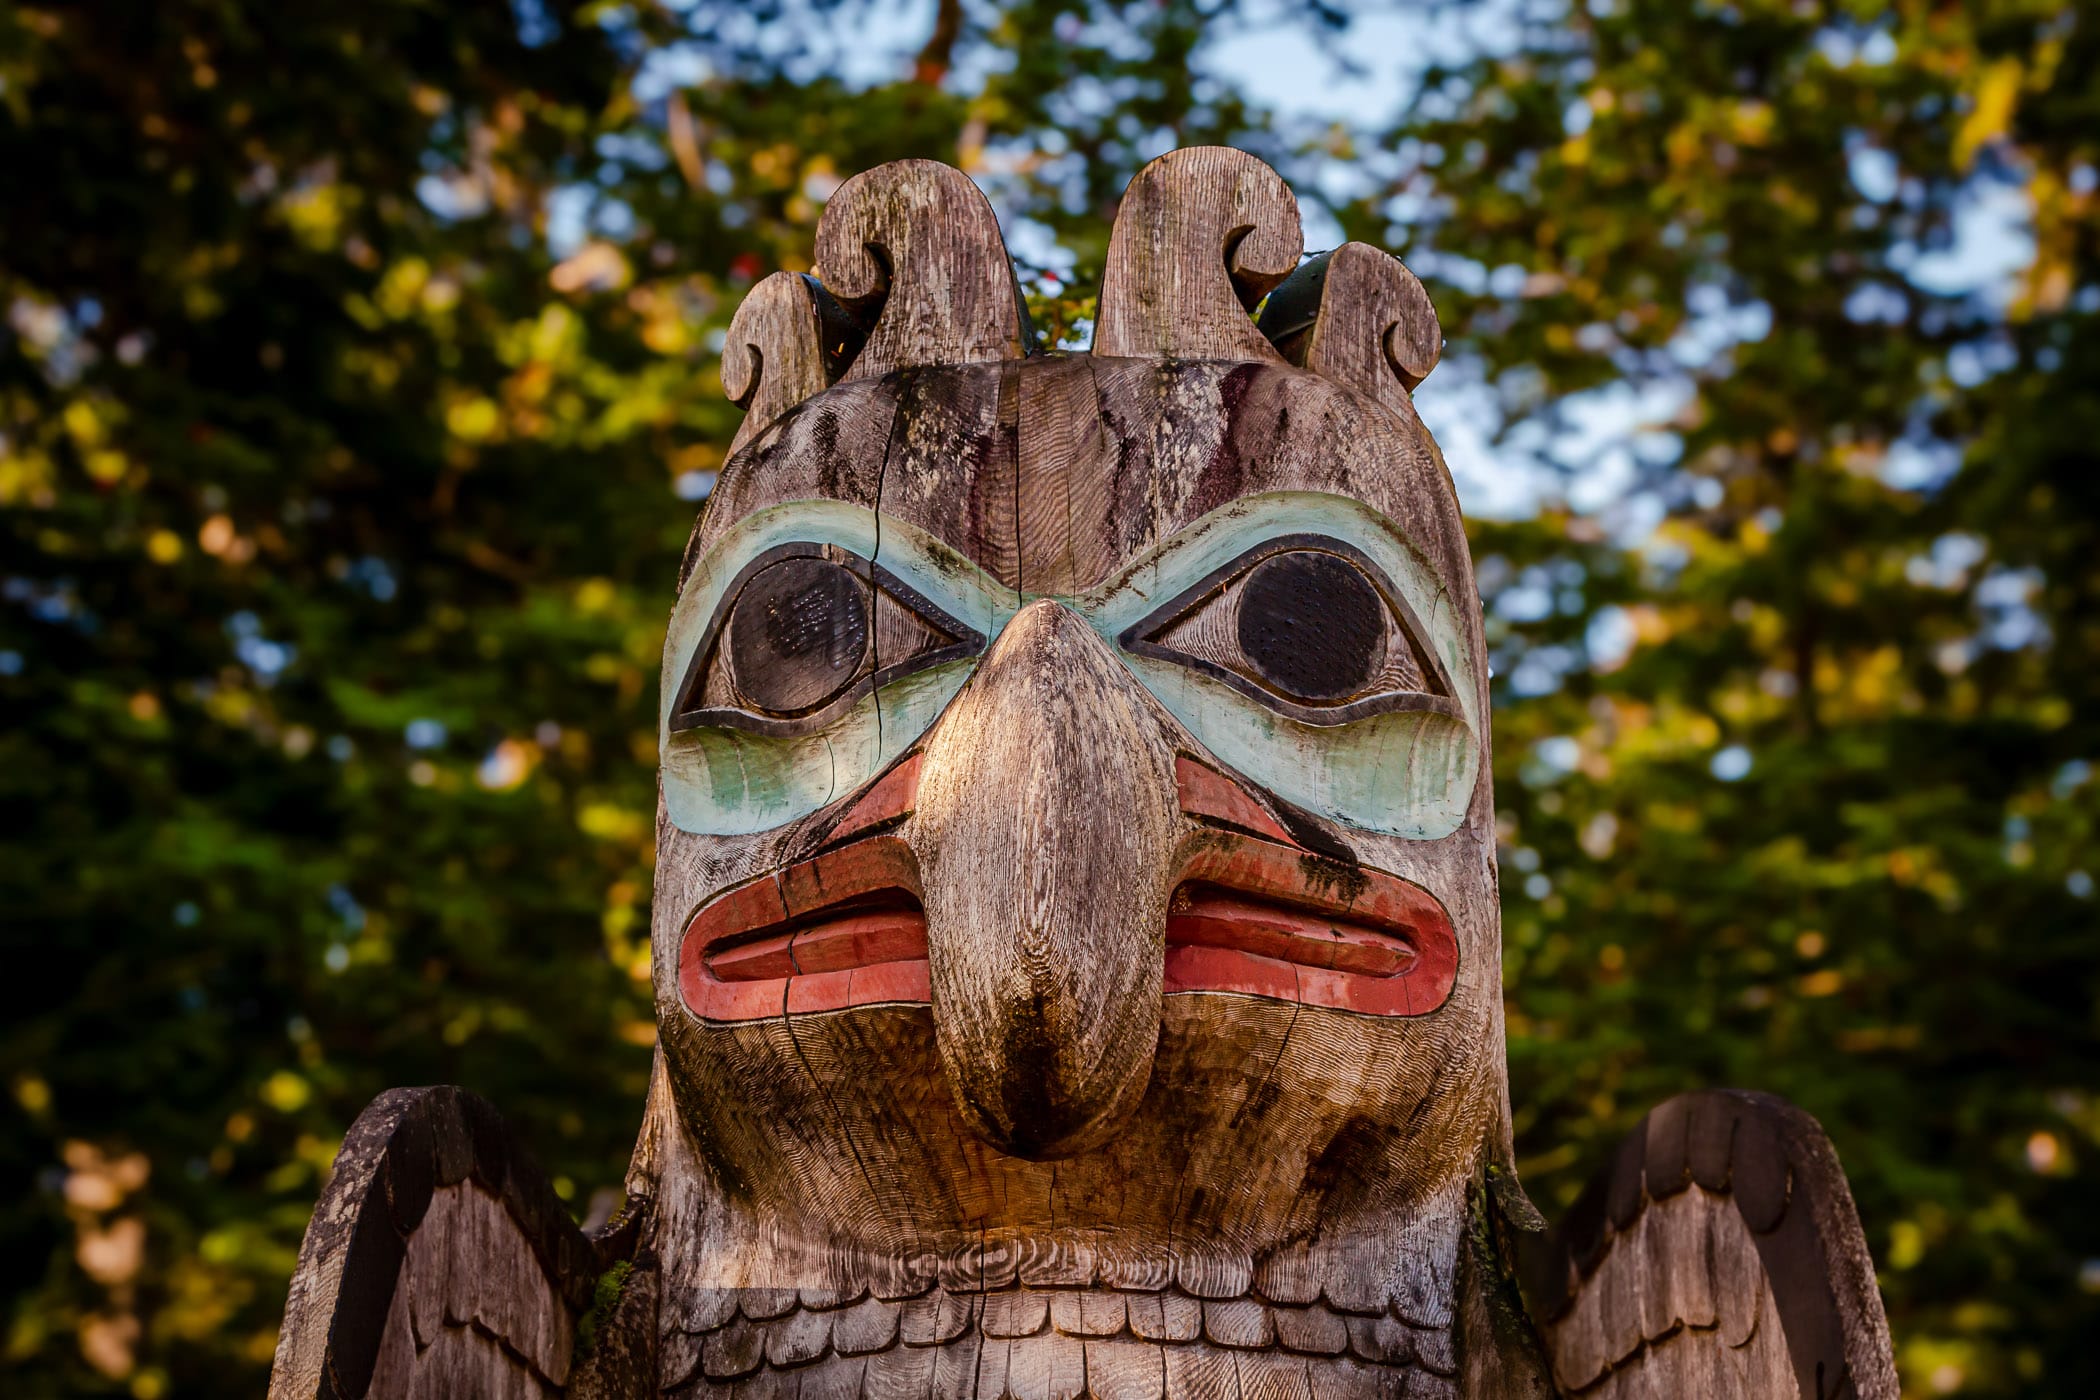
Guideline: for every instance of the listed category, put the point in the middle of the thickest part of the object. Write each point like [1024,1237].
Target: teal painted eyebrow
[1410,773]
[725,782]
[946,577]
[1406,774]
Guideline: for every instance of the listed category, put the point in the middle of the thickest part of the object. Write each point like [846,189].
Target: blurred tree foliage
[360,384]
[1810,809]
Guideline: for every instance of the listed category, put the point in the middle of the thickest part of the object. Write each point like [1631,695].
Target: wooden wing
[1718,1255]
[439,1262]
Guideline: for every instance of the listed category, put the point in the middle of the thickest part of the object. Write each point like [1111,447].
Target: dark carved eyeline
[1312,592]
[1124,1018]
[1143,638]
[950,640]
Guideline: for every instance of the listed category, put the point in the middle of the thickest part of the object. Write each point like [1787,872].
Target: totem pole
[1077,958]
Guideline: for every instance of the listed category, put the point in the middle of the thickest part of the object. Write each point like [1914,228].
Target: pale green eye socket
[1297,636]
[1305,642]
[808,650]
[804,631]
[1307,625]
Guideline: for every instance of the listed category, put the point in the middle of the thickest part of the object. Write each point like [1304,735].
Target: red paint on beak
[1255,912]
[844,928]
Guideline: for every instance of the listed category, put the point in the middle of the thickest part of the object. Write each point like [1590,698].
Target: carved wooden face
[1075,829]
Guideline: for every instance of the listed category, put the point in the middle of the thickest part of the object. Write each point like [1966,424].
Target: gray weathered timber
[1718,1253]
[1201,237]
[1358,317]
[918,240]
[439,1261]
[787,342]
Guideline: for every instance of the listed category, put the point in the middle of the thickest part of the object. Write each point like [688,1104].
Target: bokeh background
[359,387]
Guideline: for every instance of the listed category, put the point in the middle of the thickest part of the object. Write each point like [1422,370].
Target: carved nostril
[1046,823]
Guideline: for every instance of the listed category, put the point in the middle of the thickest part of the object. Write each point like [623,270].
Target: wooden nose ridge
[1048,834]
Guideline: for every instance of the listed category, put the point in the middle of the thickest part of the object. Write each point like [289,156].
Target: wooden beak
[1046,833]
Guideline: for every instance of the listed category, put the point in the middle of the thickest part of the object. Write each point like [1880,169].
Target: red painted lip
[1205,916]
[1254,917]
[837,944]
[842,929]
[1254,913]
[1258,913]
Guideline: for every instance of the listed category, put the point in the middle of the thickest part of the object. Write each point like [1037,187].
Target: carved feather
[1201,236]
[1357,316]
[439,1262]
[1718,1255]
[789,339]
[913,248]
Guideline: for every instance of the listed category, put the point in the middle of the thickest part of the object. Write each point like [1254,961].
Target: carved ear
[1201,236]
[1360,318]
[913,246]
[787,341]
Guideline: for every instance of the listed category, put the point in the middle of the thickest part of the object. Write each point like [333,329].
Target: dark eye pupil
[797,634]
[1312,625]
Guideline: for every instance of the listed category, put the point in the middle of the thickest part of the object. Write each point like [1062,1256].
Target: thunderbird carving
[1077,957]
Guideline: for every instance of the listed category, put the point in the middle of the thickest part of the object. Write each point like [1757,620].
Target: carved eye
[802,632]
[1308,626]
[797,635]
[1312,625]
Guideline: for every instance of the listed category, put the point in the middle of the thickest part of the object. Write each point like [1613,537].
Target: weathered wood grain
[914,245]
[439,1262]
[936,1112]
[788,341]
[1719,1254]
[1119,1369]
[1063,472]
[1201,236]
[1052,1002]
[1357,317]
[950,468]
[622,1362]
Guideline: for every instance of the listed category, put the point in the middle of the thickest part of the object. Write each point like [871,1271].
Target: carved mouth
[1257,912]
[1255,917]
[1249,917]
[837,942]
[1205,916]
[844,929]
[1253,912]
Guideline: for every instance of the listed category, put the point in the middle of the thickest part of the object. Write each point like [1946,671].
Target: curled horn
[1358,317]
[914,247]
[1201,236]
[787,341]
